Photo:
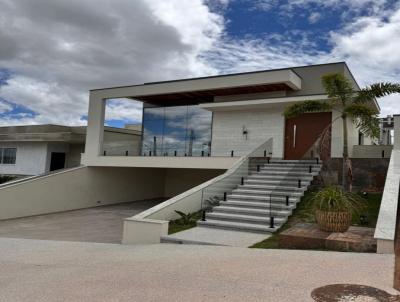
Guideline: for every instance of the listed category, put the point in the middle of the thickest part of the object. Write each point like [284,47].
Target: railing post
[271,219]
[271,222]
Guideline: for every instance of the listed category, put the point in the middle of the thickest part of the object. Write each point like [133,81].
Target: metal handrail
[233,176]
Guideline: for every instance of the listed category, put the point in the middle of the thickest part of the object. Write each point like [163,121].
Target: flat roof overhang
[203,90]
[260,103]
[66,137]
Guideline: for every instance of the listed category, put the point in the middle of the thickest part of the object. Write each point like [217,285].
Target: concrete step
[260,204]
[264,212]
[264,199]
[244,218]
[265,187]
[287,169]
[276,183]
[285,173]
[257,175]
[249,227]
[293,161]
[275,165]
[265,193]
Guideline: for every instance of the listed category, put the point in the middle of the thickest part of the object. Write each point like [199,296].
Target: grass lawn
[179,225]
[304,213]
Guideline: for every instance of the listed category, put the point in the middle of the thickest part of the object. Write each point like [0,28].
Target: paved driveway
[99,224]
[39,270]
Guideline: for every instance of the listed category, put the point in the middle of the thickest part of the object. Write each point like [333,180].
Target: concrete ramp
[76,188]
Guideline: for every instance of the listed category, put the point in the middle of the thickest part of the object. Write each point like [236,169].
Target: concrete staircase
[272,189]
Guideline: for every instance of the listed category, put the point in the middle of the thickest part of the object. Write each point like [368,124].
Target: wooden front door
[302,132]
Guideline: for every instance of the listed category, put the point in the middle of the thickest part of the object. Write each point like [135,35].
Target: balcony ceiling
[207,96]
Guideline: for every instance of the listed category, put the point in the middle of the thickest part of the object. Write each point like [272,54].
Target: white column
[396,138]
[95,127]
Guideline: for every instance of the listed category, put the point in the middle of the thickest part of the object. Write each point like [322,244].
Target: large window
[179,130]
[8,156]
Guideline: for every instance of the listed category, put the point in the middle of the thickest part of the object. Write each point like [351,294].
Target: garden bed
[304,213]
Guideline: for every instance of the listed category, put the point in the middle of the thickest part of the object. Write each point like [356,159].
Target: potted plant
[334,208]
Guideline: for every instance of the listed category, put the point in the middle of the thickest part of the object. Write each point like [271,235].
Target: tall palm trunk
[345,152]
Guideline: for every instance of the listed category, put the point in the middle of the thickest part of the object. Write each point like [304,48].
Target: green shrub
[335,199]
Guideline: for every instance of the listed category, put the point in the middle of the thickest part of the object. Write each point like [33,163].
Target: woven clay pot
[333,221]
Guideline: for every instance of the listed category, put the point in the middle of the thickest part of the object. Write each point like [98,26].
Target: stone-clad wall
[368,174]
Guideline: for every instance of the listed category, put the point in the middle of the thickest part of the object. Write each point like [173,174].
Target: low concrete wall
[78,188]
[386,224]
[152,221]
[372,151]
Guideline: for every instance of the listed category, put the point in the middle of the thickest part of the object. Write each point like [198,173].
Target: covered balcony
[176,126]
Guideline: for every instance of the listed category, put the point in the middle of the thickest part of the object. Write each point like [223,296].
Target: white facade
[227,131]
[31,158]
[34,158]
[35,145]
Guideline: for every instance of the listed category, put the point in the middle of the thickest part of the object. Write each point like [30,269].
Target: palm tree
[351,103]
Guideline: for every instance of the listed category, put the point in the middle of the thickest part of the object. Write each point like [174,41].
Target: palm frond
[376,90]
[306,107]
[337,85]
[365,119]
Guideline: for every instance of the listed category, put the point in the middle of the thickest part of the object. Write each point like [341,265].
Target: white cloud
[314,17]
[58,50]
[370,46]
[124,110]
[5,107]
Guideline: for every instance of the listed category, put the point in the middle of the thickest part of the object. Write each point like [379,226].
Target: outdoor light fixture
[245,131]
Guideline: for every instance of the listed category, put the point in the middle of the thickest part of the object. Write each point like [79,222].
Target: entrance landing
[210,236]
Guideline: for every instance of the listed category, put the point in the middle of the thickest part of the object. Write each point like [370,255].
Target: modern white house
[38,149]
[221,136]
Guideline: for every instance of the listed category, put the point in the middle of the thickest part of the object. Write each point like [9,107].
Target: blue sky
[48,63]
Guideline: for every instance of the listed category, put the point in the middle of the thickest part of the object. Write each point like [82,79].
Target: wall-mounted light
[245,132]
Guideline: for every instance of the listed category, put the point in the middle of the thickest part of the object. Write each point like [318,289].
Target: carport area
[101,224]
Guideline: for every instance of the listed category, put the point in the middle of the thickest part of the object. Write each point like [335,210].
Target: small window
[9,156]
[360,138]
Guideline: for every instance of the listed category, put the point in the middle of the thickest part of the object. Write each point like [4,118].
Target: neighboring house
[37,149]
